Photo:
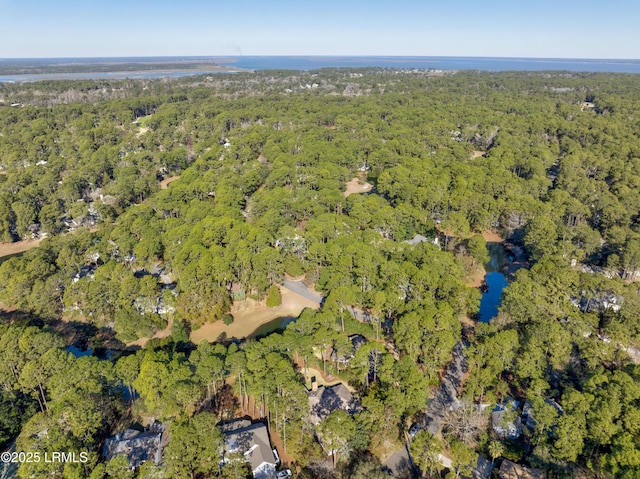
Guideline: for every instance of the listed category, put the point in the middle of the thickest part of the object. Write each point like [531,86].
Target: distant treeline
[37,68]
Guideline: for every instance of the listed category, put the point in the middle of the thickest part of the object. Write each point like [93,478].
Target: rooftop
[327,399]
[505,420]
[511,470]
[251,440]
[139,446]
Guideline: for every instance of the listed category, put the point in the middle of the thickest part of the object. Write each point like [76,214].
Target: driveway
[301,289]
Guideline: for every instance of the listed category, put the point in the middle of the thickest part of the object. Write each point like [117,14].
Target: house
[505,420]
[252,441]
[417,239]
[528,412]
[357,341]
[482,470]
[324,400]
[511,470]
[597,301]
[139,446]
[399,464]
[527,415]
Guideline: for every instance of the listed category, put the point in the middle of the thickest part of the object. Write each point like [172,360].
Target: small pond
[78,352]
[100,353]
[495,280]
[272,326]
[490,301]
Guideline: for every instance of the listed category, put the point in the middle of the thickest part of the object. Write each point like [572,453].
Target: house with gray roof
[482,470]
[139,446]
[528,412]
[418,238]
[324,400]
[505,420]
[511,470]
[357,341]
[252,441]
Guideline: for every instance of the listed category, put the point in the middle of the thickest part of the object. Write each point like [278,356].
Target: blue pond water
[490,301]
[78,353]
[495,280]
[100,353]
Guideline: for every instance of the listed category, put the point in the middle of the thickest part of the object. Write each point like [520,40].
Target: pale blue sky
[89,28]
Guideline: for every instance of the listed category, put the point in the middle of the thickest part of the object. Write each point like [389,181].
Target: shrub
[274,297]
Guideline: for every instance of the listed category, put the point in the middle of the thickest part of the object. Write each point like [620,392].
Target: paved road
[301,289]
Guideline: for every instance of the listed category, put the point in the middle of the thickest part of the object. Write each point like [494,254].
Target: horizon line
[212,57]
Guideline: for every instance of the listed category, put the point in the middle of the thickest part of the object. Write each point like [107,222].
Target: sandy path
[354,186]
[249,317]
[7,249]
[164,184]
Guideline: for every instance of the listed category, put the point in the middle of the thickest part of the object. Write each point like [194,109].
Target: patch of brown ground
[489,236]
[285,458]
[477,154]
[249,315]
[356,186]
[492,237]
[164,184]
[467,321]
[7,309]
[475,281]
[7,249]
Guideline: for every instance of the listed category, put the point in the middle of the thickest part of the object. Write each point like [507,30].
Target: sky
[491,28]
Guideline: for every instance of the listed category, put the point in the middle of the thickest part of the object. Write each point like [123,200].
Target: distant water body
[306,63]
[432,63]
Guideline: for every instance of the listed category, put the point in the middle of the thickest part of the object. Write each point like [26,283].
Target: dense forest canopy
[258,165]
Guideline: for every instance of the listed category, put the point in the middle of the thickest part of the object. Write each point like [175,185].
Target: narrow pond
[495,280]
